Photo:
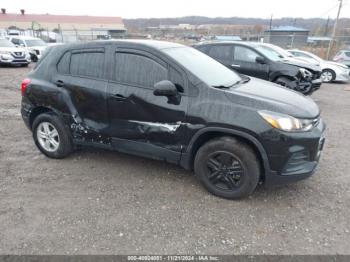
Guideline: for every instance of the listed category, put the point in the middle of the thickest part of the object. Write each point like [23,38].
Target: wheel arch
[35,112]
[206,134]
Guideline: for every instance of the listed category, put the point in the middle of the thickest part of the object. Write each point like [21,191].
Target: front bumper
[295,156]
[343,76]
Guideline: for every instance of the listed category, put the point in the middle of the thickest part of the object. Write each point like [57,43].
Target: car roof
[244,43]
[146,43]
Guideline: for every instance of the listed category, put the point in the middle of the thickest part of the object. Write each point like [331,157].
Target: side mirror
[260,60]
[165,88]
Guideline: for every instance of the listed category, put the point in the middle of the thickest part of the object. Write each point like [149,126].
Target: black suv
[171,102]
[263,61]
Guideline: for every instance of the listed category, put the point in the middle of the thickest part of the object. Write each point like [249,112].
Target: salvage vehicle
[35,46]
[170,102]
[262,61]
[11,55]
[331,71]
[343,57]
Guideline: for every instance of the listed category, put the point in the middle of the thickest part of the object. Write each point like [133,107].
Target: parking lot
[101,202]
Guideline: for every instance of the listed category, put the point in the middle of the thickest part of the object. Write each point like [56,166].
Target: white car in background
[331,71]
[12,55]
[35,46]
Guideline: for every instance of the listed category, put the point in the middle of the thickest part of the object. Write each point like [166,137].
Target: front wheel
[227,168]
[328,76]
[51,136]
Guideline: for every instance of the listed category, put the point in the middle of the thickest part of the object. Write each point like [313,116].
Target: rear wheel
[227,168]
[328,75]
[51,136]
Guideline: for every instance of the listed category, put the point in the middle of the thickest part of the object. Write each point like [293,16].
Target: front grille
[18,54]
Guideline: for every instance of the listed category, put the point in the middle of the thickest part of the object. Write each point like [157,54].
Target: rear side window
[87,63]
[220,52]
[136,69]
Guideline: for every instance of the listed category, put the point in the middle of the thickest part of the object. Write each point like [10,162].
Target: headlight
[286,122]
[5,53]
[305,73]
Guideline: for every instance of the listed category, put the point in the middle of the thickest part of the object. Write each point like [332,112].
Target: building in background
[68,28]
[287,36]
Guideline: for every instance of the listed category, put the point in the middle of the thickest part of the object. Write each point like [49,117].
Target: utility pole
[326,29]
[271,21]
[334,28]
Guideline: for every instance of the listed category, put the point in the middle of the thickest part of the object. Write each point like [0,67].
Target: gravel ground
[99,202]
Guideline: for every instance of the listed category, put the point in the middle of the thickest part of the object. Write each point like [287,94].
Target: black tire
[283,81]
[24,65]
[244,162]
[65,142]
[331,72]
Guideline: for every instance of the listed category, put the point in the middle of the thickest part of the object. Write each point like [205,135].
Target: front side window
[15,41]
[139,70]
[245,54]
[87,63]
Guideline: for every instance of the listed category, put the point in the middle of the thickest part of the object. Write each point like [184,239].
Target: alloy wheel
[48,137]
[225,170]
[327,76]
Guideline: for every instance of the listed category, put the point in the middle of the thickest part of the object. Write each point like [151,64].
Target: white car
[35,46]
[331,71]
[12,55]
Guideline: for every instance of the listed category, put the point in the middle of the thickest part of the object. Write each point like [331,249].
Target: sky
[178,8]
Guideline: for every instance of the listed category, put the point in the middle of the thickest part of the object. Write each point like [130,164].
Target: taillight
[24,85]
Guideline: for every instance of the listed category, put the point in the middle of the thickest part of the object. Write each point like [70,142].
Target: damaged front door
[141,122]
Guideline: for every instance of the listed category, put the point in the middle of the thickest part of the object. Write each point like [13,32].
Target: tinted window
[138,70]
[87,63]
[177,79]
[347,54]
[220,52]
[15,41]
[245,54]
[63,64]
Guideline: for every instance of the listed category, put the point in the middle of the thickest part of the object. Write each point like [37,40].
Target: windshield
[6,43]
[270,53]
[35,42]
[204,67]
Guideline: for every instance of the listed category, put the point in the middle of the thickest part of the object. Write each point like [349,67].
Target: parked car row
[21,50]
[264,61]
[298,70]
[12,55]
[173,103]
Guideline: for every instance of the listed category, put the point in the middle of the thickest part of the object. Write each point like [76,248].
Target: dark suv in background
[171,102]
[261,61]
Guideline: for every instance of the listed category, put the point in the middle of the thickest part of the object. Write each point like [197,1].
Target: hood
[41,48]
[12,49]
[264,95]
[301,63]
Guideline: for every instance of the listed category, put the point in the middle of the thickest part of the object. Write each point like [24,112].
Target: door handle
[59,83]
[119,97]
[235,65]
